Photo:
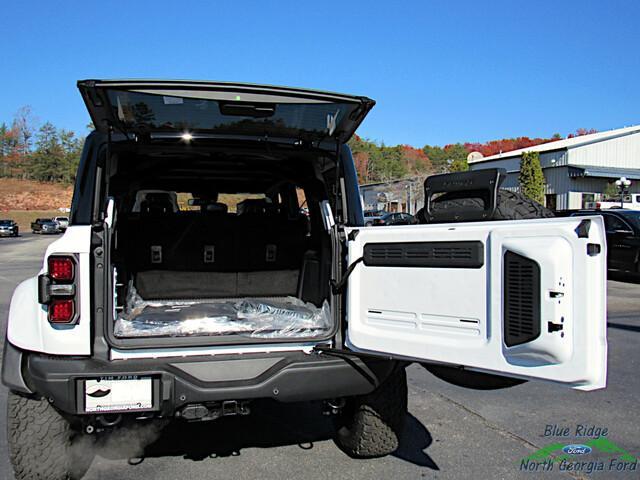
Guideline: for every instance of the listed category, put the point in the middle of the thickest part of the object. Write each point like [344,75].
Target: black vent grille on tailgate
[425,254]
[386,252]
[521,299]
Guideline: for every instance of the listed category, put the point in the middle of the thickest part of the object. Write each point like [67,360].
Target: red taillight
[59,289]
[61,311]
[597,204]
[61,268]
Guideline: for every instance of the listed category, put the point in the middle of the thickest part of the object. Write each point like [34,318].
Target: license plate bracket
[118,394]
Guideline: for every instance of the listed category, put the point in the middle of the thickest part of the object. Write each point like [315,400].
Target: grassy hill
[26,200]
[18,194]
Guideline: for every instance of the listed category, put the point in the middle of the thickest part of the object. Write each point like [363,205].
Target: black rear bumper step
[286,377]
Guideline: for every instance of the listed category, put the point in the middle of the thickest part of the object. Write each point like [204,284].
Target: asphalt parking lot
[452,432]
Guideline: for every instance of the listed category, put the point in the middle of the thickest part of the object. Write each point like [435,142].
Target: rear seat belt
[338,287]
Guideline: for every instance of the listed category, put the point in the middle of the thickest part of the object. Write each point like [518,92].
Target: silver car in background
[8,228]
[63,222]
[370,216]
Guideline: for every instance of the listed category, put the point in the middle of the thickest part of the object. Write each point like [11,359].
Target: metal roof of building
[603,172]
[566,143]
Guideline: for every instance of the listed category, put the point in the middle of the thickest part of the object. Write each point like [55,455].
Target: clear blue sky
[441,71]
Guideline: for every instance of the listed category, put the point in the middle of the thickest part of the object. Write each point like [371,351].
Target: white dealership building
[576,170]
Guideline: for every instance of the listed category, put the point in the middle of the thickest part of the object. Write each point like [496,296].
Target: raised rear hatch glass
[225,109]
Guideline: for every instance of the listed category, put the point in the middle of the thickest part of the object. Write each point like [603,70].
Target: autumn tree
[581,132]
[380,163]
[23,126]
[416,161]
[493,147]
[363,151]
[7,147]
[531,178]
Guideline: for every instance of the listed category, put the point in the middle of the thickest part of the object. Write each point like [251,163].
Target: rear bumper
[286,377]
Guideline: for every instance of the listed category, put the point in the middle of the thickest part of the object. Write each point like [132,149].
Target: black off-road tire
[40,442]
[510,206]
[371,425]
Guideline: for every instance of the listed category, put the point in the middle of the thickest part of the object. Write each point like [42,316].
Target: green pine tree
[531,177]
[47,161]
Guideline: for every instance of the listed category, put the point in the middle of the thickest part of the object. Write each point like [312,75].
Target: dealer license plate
[117,394]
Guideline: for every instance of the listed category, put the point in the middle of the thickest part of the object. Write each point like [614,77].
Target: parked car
[623,237]
[8,228]
[63,222]
[44,225]
[119,326]
[395,219]
[370,216]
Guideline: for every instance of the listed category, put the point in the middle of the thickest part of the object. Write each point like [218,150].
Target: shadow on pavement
[622,326]
[269,425]
[415,440]
[620,276]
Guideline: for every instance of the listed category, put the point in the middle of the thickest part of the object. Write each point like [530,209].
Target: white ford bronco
[216,254]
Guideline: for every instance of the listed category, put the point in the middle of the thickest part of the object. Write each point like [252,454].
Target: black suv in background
[395,219]
[623,237]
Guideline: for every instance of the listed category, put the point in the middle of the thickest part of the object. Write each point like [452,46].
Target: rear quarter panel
[28,327]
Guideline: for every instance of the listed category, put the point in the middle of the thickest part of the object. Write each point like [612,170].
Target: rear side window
[187,202]
[231,200]
[612,223]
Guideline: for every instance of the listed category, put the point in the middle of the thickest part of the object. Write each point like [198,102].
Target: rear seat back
[211,244]
[261,238]
[267,239]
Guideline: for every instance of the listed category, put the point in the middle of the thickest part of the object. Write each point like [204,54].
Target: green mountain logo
[554,453]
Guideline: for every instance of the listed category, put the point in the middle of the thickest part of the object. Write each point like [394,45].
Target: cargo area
[276,317]
[198,250]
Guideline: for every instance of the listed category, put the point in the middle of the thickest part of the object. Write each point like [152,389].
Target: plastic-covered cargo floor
[277,317]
